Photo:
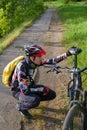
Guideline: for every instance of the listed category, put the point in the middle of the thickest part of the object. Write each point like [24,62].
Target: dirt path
[48,32]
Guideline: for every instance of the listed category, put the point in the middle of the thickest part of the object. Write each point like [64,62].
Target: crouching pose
[22,85]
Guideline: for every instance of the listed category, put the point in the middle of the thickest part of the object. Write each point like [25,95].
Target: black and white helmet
[34,50]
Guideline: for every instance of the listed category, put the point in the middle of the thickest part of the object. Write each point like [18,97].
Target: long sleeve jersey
[25,69]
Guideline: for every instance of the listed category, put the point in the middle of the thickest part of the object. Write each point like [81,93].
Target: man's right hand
[71,51]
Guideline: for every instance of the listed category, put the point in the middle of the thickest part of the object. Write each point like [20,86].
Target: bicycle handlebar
[75,51]
[57,69]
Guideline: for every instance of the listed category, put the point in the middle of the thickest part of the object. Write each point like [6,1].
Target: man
[23,87]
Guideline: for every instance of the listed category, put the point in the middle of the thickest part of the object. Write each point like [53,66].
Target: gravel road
[47,31]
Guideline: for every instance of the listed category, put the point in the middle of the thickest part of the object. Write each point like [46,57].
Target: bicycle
[76,117]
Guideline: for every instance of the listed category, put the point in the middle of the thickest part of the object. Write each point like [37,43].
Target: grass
[54,4]
[75,34]
[74,19]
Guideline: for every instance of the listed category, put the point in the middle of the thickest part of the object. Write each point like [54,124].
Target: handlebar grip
[78,50]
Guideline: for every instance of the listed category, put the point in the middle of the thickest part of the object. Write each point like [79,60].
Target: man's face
[37,60]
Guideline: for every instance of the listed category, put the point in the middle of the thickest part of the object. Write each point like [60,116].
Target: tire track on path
[36,34]
[47,32]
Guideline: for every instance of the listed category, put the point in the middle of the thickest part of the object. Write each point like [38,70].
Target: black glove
[46,91]
[71,51]
[14,86]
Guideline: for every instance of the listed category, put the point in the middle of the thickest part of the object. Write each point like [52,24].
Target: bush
[15,12]
[4,23]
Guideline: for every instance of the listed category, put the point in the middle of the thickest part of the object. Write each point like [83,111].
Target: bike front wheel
[75,119]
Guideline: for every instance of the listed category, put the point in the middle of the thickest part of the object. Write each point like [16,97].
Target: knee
[54,94]
[36,102]
[15,94]
[28,102]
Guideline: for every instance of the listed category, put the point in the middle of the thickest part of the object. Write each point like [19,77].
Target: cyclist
[23,86]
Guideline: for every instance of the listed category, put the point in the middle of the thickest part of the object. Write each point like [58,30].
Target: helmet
[34,50]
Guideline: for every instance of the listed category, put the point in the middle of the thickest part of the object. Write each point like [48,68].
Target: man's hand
[46,91]
[71,51]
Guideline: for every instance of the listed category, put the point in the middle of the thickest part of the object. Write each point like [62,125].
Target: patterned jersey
[25,69]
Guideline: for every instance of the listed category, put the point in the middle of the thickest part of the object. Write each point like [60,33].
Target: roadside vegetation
[15,16]
[73,15]
[74,19]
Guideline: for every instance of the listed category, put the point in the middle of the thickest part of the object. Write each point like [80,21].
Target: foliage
[74,18]
[13,13]
[4,23]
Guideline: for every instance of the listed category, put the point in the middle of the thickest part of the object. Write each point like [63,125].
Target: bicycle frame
[77,96]
[77,86]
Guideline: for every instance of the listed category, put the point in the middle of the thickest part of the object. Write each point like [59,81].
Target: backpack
[9,69]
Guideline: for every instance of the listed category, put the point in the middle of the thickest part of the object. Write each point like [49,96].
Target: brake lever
[49,70]
[59,71]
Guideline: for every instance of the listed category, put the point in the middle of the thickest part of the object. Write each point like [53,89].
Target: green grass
[74,19]
[54,4]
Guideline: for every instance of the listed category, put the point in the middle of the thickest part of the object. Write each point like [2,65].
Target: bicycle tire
[75,113]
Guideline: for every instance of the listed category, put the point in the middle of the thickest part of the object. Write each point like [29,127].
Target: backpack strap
[31,79]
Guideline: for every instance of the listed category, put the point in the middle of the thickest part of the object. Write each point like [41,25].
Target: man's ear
[32,58]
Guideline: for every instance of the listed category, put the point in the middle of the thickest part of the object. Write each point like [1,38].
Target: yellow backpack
[8,70]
